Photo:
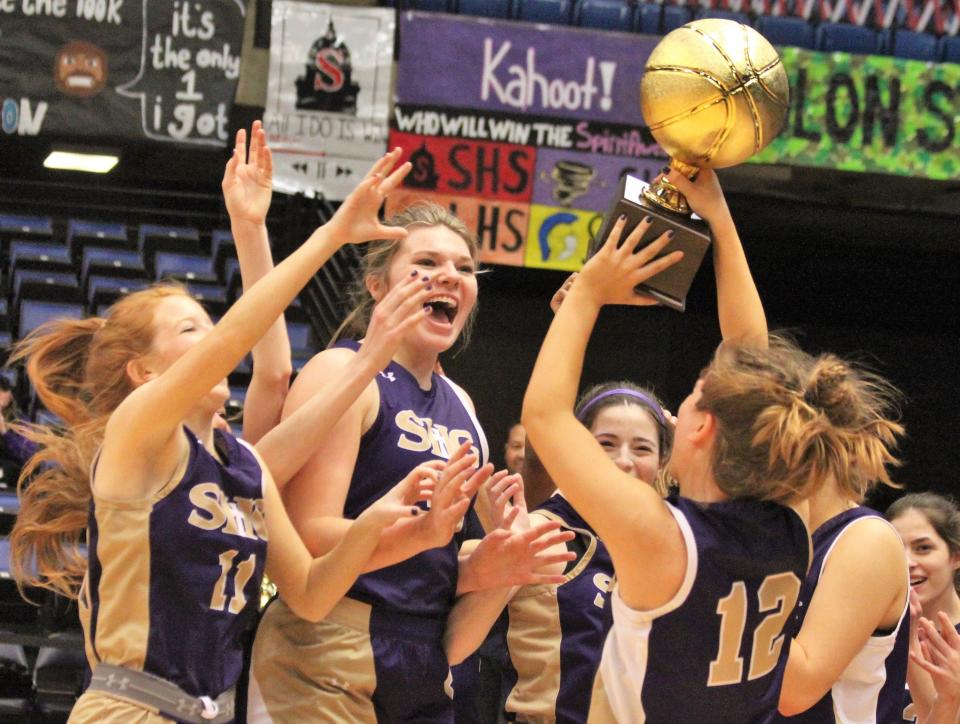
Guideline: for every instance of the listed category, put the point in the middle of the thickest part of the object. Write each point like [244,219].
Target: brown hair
[588,407]
[79,370]
[941,512]
[787,422]
[379,255]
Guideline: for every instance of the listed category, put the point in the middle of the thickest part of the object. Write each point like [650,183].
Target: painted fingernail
[414,510]
[623,217]
[429,287]
[648,219]
[426,279]
[670,234]
[413,273]
[665,169]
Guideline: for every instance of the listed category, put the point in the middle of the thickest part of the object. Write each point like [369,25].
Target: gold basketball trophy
[713,93]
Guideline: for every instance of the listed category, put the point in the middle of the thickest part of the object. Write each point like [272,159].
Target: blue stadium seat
[552,12]
[646,19]
[212,297]
[299,334]
[231,278]
[80,233]
[4,558]
[190,267]
[102,291]
[222,247]
[16,686]
[207,292]
[9,505]
[240,377]
[847,38]
[674,16]
[180,239]
[11,375]
[721,14]
[57,680]
[97,260]
[33,227]
[34,312]
[916,46]
[605,14]
[46,255]
[299,358]
[43,416]
[950,49]
[55,286]
[484,8]
[238,397]
[436,6]
[786,30]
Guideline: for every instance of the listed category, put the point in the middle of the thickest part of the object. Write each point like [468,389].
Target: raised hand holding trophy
[713,93]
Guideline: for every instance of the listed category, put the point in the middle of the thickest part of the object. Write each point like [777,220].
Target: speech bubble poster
[161,69]
[328,94]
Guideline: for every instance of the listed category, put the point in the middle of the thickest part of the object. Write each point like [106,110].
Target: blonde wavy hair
[787,422]
[380,253]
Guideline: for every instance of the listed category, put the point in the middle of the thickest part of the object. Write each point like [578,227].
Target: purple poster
[513,67]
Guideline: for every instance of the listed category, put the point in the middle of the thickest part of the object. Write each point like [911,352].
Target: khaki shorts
[330,671]
[97,707]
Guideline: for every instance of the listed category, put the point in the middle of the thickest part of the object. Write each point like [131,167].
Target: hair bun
[832,389]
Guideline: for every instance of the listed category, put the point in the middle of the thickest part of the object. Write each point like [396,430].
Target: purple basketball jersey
[880,696]
[413,426]
[712,654]
[173,586]
[582,616]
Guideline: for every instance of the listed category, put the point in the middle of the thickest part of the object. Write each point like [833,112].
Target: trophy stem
[665,194]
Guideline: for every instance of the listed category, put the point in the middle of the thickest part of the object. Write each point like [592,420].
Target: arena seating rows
[654,18]
[83,270]
[54,268]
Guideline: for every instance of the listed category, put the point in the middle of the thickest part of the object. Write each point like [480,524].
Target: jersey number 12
[777,595]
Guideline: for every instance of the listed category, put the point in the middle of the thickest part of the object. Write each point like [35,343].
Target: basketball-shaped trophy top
[714,93]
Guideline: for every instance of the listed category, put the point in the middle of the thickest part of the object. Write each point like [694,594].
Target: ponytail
[788,422]
[79,370]
[54,488]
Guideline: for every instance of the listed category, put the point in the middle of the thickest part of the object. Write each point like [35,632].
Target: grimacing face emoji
[80,69]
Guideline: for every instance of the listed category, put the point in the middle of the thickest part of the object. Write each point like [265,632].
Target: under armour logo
[119,684]
[389,376]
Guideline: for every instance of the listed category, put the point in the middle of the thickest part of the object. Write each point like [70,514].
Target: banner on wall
[527,133]
[159,69]
[327,94]
[870,113]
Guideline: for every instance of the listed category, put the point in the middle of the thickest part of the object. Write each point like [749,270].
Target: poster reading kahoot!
[327,94]
[160,69]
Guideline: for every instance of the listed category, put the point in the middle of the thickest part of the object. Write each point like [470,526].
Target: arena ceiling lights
[85,160]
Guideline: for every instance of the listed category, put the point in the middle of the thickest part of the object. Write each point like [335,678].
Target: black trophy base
[691,235]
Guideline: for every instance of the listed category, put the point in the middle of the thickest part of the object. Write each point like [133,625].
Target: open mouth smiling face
[443,309]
